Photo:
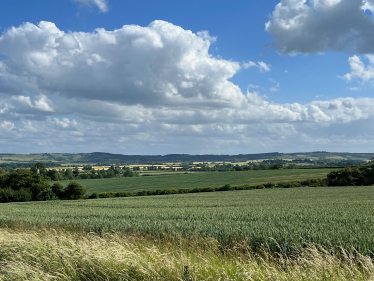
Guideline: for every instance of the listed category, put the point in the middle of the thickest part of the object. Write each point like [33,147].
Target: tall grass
[28,253]
[332,217]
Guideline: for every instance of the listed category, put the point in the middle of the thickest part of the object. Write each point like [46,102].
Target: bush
[94,195]
[172,191]
[239,187]
[74,191]
[129,173]
[275,166]
[226,187]
[106,194]
[42,192]
[85,176]
[351,176]
[271,185]
[9,195]
[314,182]
[141,193]
[22,195]
[289,184]
[58,189]
[123,194]
[207,189]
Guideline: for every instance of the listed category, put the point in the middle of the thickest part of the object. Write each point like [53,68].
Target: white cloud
[274,89]
[249,64]
[101,4]
[254,109]
[261,65]
[301,26]
[132,65]
[276,86]
[359,70]
[65,123]
[6,125]
[153,89]
[41,103]
[368,5]
[332,125]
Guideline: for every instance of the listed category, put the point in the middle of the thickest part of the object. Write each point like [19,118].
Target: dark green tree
[58,190]
[69,174]
[87,168]
[76,172]
[129,173]
[74,191]
[40,167]
[20,179]
[42,192]
[54,175]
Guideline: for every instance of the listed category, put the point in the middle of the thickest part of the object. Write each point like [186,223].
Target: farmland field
[329,216]
[198,179]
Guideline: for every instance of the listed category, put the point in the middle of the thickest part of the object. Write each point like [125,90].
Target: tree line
[88,172]
[21,185]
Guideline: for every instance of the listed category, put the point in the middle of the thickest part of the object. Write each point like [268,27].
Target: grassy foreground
[331,217]
[198,179]
[30,253]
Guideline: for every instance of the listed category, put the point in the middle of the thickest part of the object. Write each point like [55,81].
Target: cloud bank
[153,89]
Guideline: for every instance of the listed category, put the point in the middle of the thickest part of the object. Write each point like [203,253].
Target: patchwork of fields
[198,179]
[329,216]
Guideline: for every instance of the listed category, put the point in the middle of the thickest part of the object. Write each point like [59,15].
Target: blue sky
[158,77]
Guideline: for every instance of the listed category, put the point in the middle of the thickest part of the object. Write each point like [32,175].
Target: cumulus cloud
[161,64]
[101,4]
[301,26]
[153,89]
[359,70]
[41,103]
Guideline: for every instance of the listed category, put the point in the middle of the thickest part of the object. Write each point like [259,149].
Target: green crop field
[199,179]
[329,216]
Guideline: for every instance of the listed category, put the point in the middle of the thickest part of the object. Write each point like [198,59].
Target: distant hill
[109,158]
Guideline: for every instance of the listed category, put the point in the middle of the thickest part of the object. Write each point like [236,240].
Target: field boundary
[315,182]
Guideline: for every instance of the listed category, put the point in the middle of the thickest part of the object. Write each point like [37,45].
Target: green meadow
[304,233]
[197,179]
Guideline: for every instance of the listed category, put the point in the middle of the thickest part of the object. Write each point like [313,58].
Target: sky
[195,77]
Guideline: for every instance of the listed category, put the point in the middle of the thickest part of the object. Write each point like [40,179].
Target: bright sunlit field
[198,179]
[328,216]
